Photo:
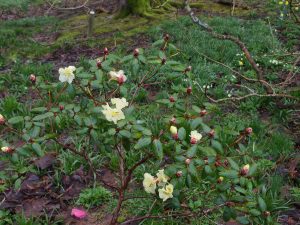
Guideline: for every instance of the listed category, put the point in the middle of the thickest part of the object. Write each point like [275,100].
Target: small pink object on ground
[78,213]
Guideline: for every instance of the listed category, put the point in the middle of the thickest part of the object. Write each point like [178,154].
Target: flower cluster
[115,114]
[150,184]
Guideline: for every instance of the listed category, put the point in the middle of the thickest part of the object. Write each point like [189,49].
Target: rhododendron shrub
[104,111]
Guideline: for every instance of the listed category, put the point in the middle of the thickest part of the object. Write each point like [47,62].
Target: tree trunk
[137,7]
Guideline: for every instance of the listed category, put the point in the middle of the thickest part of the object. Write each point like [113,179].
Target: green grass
[18,4]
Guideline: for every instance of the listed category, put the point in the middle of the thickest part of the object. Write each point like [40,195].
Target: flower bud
[189,90]
[218,164]
[179,173]
[121,80]
[193,141]
[61,107]
[173,130]
[206,161]
[166,37]
[203,113]
[163,61]
[187,161]
[188,69]
[173,120]
[105,51]
[220,180]
[2,120]
[136,52]
[267,213]
[248,130]
[245,170]
[172,99]
[32,78]
[99,64]
[211,133]
[175,137]
[6,149]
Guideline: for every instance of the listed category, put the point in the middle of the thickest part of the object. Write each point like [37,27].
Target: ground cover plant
[157,135]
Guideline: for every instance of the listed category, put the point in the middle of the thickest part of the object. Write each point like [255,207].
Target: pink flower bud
[245,170]
[179,173]
[172,99]
[121,80]
[166,37]
[2,120]
[175,136]
[248,130]
[193,141]
[189,90]
[99,64]
[163,61]
[136,52]
[61,107]
[211,133]
[105,51]
[203,113]
[187,161]
[32,78]
[188,69]
[7,149]
[220,180]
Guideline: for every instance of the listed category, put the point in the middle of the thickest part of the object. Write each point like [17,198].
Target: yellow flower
[241,63]
[149,183]
[173,130]
[113,114]
[166,192]
[119,102]
[286,2]
[296,8]
[280,2]
[67,74]
[162,178]
[195,136]
[118,76]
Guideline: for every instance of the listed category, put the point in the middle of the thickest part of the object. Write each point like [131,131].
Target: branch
[235,40]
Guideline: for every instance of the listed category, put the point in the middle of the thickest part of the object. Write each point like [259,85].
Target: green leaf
[181,133]
[254,212]
[16,119]
[43,116]
[226,214]
[262,204]
[208,151]
[195,123]
[239,189]
[192,169]
[242,220]
[188,180]
[232,174]
[158,149]
[233,164]
[208,169]
[37,149]
[252,169]
[142,142]
[217,145]
[38,110]
[192,151]
[125,133]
